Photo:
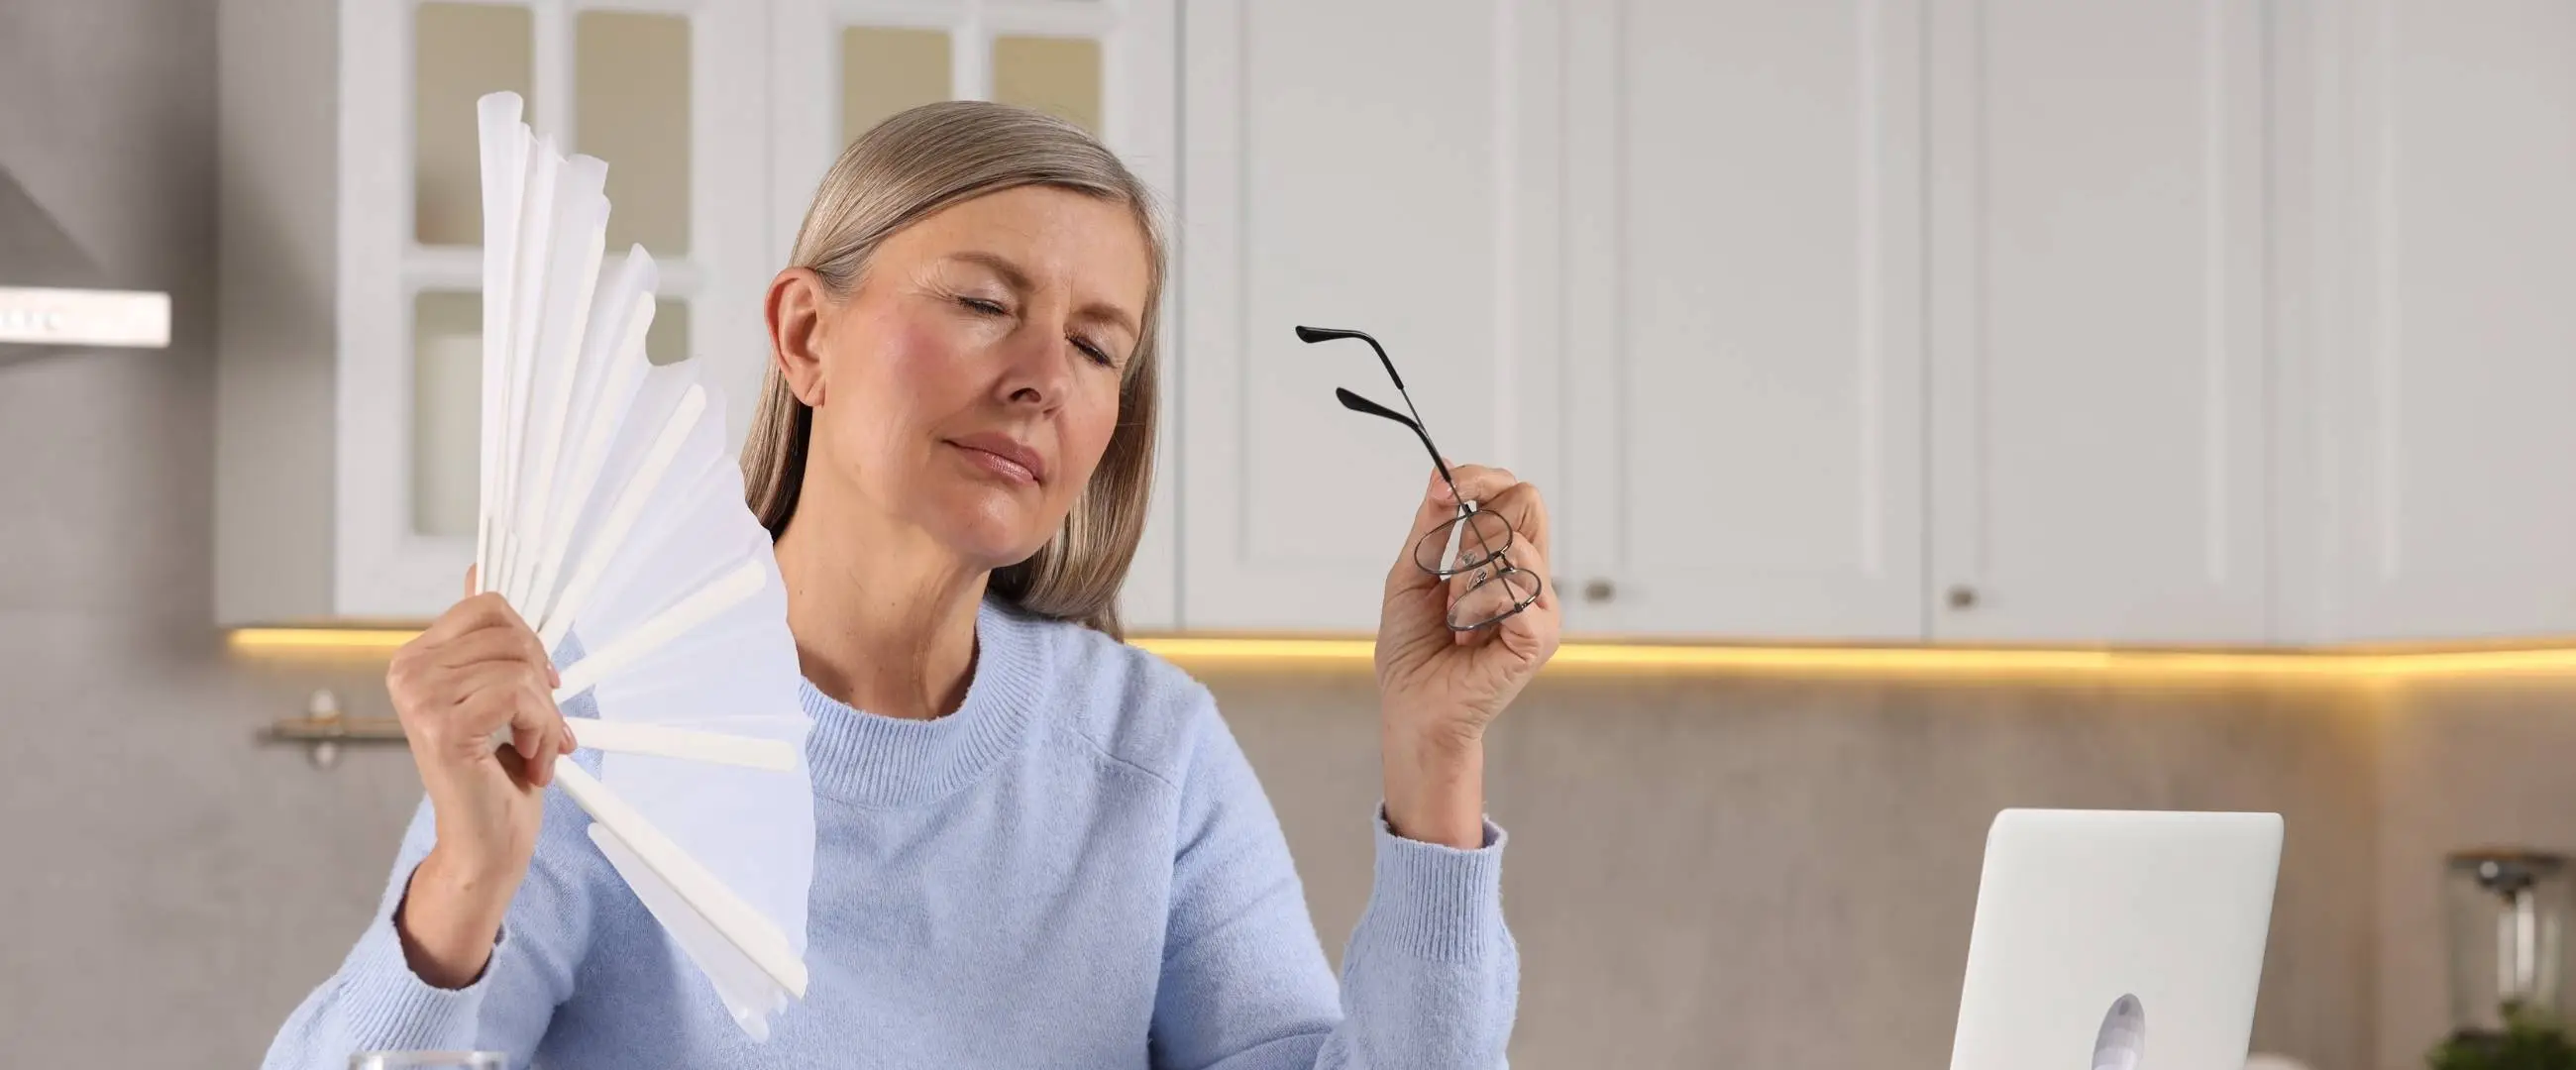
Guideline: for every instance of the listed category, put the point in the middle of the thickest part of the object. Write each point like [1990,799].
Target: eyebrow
[1012,276]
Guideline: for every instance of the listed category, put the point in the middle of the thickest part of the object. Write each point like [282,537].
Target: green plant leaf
[2531,1041]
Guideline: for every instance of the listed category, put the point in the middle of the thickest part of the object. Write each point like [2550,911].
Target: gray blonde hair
[903,171]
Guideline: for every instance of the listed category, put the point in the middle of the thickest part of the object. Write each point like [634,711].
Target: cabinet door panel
[2099,345]
[1744,372]
[2452,356]
[1344,179]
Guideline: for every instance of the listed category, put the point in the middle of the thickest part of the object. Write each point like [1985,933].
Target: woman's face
[968,384]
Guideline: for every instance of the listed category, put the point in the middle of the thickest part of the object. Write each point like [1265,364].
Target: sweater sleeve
[1430,978]
[376,1003]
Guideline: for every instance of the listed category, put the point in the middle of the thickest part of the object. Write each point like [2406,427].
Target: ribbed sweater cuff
[391,1009]
[1438,902]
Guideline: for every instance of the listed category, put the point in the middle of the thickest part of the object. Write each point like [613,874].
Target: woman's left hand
[1438,689]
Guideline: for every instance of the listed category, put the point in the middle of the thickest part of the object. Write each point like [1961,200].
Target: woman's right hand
[475,671]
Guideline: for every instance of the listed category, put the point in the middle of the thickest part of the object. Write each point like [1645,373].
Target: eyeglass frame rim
[1538,586]
[1510,538]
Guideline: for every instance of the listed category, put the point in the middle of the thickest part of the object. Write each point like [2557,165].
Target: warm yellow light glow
[2547,661]
[1188,649]
[319,640]
[2327,665]
[1947,661]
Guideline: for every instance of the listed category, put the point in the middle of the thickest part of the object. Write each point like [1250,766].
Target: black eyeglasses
[1471,544]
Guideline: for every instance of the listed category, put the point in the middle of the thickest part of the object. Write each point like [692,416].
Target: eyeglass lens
[1492,594]
[1464,543]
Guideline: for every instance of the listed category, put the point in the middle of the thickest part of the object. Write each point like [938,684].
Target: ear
[797,302]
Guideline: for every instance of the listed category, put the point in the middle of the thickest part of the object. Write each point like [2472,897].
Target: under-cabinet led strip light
[2327,665]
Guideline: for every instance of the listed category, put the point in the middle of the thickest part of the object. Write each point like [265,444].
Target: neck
[884,616]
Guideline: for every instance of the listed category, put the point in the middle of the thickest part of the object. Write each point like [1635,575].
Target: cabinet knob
[1598,591]
[1962,596]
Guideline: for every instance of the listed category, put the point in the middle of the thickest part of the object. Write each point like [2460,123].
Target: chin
[996,534]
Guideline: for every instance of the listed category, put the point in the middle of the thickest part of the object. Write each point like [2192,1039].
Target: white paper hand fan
[613,516]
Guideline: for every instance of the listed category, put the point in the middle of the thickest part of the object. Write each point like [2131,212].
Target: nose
[1038,367]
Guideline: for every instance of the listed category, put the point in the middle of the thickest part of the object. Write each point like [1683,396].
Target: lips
[1003,456]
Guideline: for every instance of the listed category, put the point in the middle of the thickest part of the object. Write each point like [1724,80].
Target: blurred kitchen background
[1887,362]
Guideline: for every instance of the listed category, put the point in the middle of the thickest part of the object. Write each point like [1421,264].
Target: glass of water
[428,1060]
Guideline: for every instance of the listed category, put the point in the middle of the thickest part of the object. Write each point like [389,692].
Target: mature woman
[1036,845]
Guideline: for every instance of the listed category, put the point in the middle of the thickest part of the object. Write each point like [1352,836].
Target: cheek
[896,372]
[1089,424]
[915,358]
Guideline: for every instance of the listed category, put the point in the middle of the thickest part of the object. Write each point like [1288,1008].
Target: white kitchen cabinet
[1819,310]
[2214,357]
[1385,167]
[350,208]
[2098,322]
[351,214]
[1966,321]
[1743,386]
[1882,320]
[1935,320]
[2444,271]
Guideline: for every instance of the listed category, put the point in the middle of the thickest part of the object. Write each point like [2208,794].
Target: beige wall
[2463,764]
[170,889]
[1781,874]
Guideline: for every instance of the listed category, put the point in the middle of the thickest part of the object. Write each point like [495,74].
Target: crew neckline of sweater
[871,760]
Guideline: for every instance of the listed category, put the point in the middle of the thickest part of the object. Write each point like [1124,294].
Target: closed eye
[1090,349]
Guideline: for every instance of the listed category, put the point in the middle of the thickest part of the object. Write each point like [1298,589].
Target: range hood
[50,291]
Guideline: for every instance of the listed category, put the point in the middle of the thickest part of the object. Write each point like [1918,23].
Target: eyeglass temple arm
[1356,403]
[1312,335]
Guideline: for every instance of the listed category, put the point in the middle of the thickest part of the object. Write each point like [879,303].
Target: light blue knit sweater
[1076,869]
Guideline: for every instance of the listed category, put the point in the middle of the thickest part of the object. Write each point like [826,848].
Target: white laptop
[2117,940]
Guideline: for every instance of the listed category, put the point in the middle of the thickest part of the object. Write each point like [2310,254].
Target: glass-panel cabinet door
[840,67]
[1056,75]
[460,51]
[447,382]
[672,94]
[886,69]
[631,76]
[640,103]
